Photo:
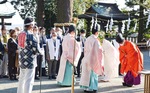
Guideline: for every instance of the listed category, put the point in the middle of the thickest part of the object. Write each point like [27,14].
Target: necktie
[54,41]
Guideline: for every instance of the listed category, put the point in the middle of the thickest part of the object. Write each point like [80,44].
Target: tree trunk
[141,22]
[40,13]
[88,22]
[64,11]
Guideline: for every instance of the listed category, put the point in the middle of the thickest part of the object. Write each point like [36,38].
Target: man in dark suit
[82,40]
[1,57]
[43,41]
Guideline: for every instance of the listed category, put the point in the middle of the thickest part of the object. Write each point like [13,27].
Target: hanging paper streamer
[107,26]
[92,22]
[111,24]
[95,22]
[123,26]
[148,20]
[135,26]
[98,27]
[63,29]
[128,25]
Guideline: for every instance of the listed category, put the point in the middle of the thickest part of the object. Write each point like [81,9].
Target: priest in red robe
[131,61]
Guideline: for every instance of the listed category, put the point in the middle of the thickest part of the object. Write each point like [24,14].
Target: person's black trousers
[79,64]
[39,63]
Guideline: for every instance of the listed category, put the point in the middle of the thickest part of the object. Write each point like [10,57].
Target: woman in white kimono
[91,63]
[69,55]
[111,60]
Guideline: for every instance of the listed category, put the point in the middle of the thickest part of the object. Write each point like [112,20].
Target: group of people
[65,54]
[8,54]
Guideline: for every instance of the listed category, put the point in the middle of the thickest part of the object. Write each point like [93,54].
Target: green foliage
[147,33]
[51,5]
[25,7]
[80,6]
[131,3]
[50,11]
[145,4]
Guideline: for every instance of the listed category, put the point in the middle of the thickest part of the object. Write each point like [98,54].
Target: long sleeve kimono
[91,64]
[111,60]
[69,55]
[131,61]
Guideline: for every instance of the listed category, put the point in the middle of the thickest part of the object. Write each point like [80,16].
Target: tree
[80,7]
[144,4]
[40,13]
[64,11]
[141,22]
[50,7]
[25,7]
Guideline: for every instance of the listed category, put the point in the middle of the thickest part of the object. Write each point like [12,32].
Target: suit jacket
[12,47]
[1,50]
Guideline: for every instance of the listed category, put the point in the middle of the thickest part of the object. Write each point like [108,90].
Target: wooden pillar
[40,12]
[3,24]
[102,25]
[141,22]
[64,11]
[119,27]
[88,31]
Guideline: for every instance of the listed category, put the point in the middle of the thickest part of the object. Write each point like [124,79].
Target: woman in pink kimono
[91,63]
[69,55]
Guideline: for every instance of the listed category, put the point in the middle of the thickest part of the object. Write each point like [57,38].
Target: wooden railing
[139,44]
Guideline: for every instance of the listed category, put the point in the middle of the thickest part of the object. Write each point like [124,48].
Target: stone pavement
[50,86]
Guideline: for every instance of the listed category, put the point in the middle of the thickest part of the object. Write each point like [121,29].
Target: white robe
[111,60]
[69,53]
[92,60]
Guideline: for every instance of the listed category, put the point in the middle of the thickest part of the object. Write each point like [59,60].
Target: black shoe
[5,76]
[15,78]
[53,77]
[129,85]
[50,77]
[88,91]
[120,74]
[44,75]
[124,84]
[37,78]
[94,91]
[75,74]
[11,78]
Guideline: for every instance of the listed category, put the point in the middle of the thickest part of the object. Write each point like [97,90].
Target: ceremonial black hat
[95,28]
[119,38]
[72,28]
[28,21]
[82,31]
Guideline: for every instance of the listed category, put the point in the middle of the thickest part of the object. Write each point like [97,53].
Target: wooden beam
[5,23]
[2,20]
[5,17]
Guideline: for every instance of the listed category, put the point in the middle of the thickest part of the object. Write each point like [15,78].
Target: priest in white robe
[91,63]
[70,55]
[111,60]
